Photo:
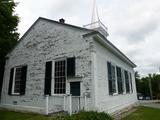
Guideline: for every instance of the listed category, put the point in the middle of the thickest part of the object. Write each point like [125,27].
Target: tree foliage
[8,27]
[156,85]
[143,85]
[8,31]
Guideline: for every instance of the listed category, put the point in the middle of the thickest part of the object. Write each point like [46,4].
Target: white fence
[69,103]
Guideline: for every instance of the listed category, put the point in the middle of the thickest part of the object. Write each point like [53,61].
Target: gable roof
[49,20]
[102,39]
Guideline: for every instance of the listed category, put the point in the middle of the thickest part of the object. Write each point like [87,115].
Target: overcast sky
[133,25]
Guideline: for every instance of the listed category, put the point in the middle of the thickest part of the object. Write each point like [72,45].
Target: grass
[11,115]
[91,115]
[144,113]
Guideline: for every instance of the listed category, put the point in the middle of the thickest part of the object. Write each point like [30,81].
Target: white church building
[61,67]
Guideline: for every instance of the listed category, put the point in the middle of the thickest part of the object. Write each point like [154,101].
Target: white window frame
[124,81]
[116,85]
[13,84]
[123,89]
[53,76]
[130,80]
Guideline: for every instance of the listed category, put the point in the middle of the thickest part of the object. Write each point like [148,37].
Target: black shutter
[48,77]
[23,80]
[71,66]
[109,78]
[10,82]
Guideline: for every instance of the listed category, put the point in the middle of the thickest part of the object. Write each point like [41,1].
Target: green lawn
[144,113]
[10,115]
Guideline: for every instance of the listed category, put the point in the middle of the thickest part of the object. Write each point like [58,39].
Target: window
[63,68]
[111,78]
[17,80]
[60,77]
[119,80]
[126,81]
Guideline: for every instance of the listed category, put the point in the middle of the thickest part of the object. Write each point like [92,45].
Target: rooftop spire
[96,24]
[95,15]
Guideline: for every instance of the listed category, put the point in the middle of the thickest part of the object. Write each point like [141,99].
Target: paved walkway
[153,105]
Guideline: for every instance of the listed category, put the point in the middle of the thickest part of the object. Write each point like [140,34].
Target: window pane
[126,81]
[119,80]
[17,80]
[60,79]
[109,78]
[113,79]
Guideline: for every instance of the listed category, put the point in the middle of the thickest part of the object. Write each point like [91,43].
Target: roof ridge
[67,24]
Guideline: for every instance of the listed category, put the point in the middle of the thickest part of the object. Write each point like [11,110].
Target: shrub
[91,115]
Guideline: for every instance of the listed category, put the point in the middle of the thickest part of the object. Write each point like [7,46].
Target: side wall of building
[104,101]
[47,41]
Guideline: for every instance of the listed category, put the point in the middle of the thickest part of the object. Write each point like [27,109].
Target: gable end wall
[47,41]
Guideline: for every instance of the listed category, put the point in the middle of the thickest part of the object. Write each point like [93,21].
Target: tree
[156,85]
[8,31]
[149,85]
[142,86]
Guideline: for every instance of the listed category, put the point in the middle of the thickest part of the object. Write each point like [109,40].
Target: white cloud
[133,25]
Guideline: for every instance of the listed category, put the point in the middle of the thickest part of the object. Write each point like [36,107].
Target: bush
[91,115]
